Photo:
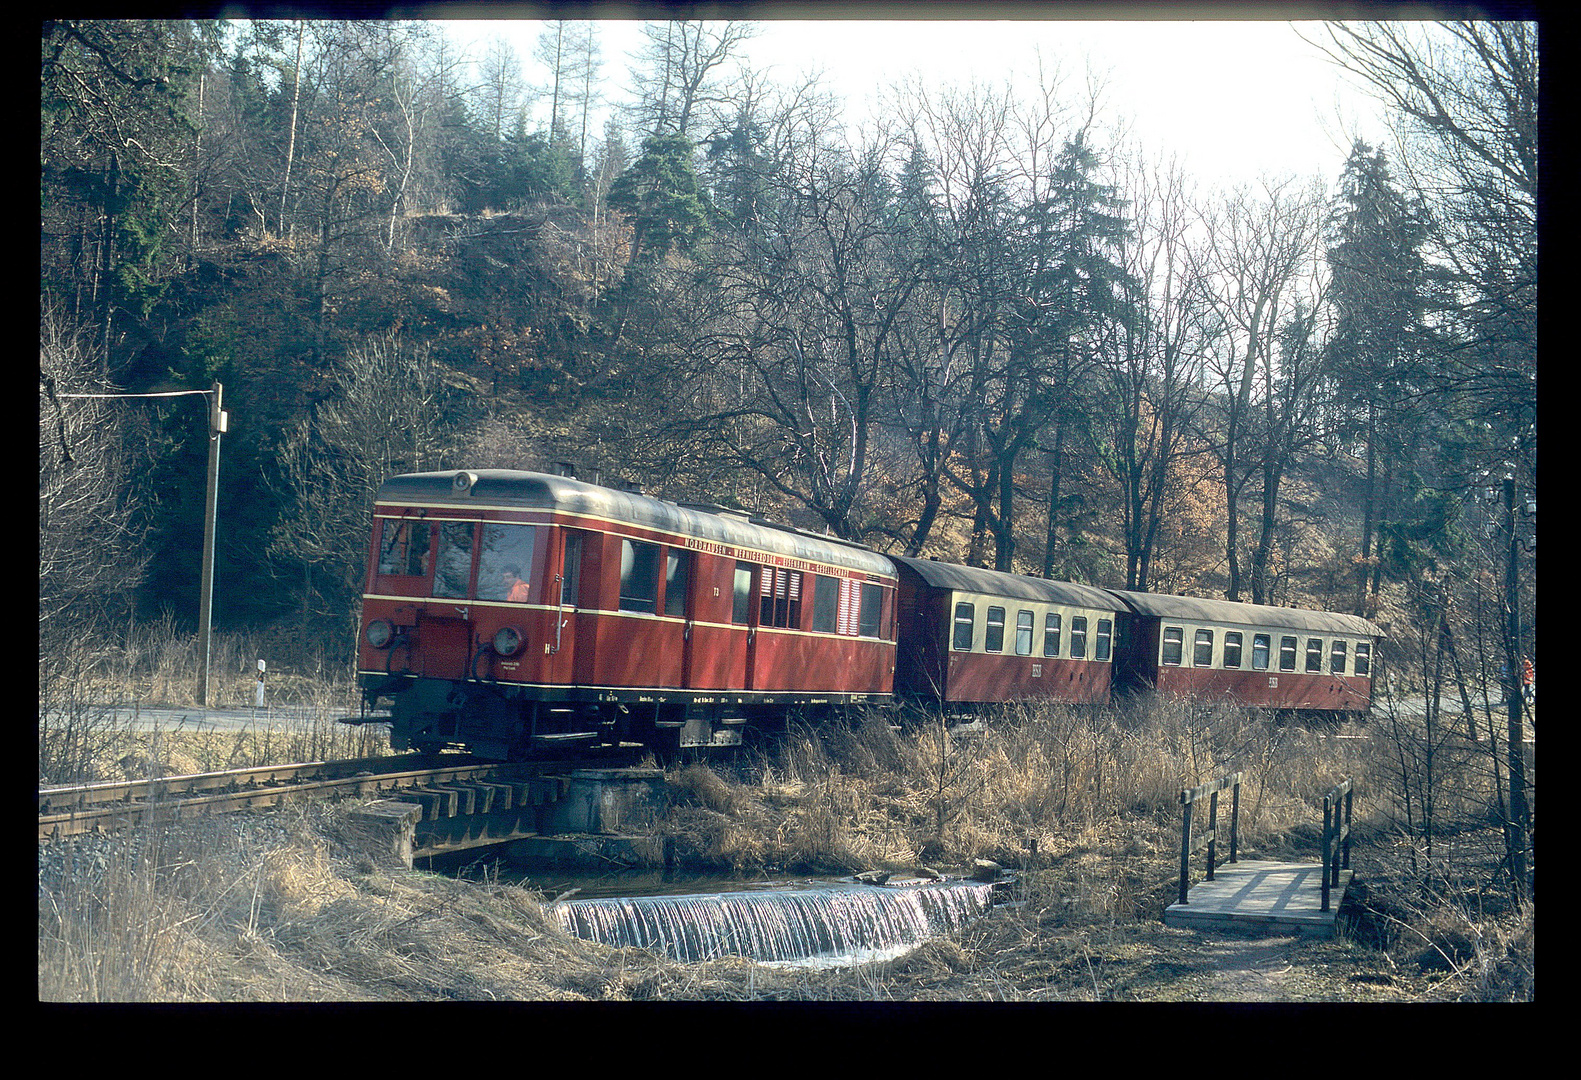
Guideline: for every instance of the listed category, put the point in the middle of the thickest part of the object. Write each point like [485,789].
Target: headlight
[507,641]
[379,633]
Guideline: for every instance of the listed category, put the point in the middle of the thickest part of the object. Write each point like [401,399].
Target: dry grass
[91,709]
[1083,805]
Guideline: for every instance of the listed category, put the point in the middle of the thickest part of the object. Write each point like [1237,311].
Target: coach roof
[1191,609]
[971,579]
[509,488]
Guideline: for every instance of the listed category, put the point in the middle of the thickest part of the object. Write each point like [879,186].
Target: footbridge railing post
[1209,837]
[1336,835]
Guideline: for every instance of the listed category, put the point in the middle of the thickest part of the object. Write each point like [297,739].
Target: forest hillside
[983,330]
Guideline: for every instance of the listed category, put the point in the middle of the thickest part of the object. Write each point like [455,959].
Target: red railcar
[511,610]
[971,636]
[1269,657]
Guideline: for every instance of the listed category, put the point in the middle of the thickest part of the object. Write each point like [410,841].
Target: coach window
[996,630]
[965,627]
[780,602]
[1363,658]
[1336,658]
[1174,642]
[1078,636]
[677,582]
[403,548]
[1314,654]
[1232,648]
[1202,649]
[825,603]
[505,562]
[1023,633]
[1051,634]
[1287,654]
[741,610]
[1260,643]
[872,609]
[639,576]
[1100,647]
[453,567]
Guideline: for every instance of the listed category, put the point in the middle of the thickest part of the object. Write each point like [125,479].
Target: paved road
[195,718]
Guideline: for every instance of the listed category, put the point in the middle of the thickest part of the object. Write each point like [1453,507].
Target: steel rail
[77,796]
[73,811]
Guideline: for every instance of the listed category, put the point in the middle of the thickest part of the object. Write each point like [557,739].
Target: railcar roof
[943,575]
[1192,609]
[516,489]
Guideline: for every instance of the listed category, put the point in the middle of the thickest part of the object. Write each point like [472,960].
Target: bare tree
[1465,99]
[88,555]
[1144,412]
[796,351]
[386,414]
[500,73]
[683,61]
[1261,247]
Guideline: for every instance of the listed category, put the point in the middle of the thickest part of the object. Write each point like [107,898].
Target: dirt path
[1247,968]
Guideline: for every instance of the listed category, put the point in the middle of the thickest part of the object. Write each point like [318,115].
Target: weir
[829,923]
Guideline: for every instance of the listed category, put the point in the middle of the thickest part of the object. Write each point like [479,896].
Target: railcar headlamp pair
[507,641]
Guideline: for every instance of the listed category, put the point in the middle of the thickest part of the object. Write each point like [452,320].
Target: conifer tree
[1376,288]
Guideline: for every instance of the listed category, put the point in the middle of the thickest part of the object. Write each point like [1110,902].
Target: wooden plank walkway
[1279,897]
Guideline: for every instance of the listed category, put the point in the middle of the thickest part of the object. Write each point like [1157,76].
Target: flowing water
[810,924]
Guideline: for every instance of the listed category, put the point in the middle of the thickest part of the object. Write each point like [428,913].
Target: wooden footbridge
[1276,897]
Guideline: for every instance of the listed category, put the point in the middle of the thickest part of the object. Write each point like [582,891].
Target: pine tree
[661,194]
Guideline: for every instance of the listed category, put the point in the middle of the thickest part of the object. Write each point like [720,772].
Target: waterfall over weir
[829,923]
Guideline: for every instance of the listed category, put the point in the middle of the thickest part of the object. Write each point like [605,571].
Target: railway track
[459,786]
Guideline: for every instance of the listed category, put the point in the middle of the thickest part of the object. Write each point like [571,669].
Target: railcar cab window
[996,630]
[1232,648]
[1363,658]
[453,567]
[965,627]
[1100,647]
[639,576]
[1287,654]
[1174,644]
[1051,629]
[1315,654]
[1336,658]
[1202,649]
[505,562]
[1023,633]
[1078,637]
[1260,645]
[403,548]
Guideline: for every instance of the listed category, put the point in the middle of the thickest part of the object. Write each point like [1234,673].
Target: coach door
[679,572]
[444,634]
[565,600]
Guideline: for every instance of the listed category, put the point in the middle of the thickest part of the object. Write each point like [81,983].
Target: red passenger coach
[1269,657]
[508,611]
[973,636]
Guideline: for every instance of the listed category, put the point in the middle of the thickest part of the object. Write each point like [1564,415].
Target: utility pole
[218,422]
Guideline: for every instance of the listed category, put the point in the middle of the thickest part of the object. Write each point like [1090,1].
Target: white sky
[1235,100]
